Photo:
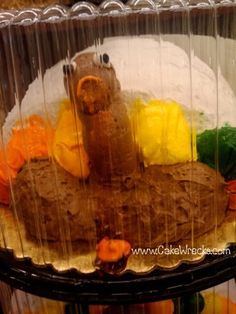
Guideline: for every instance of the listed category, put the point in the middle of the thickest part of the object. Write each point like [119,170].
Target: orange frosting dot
[112,250]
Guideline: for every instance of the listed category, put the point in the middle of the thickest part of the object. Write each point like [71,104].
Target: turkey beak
[92,93]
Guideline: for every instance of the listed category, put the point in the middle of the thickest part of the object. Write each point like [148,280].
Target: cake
[111,167]
[113,211]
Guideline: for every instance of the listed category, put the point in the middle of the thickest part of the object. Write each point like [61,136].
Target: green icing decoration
[222,140]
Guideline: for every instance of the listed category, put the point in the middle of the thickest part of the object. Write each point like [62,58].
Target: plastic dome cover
[118,133]
[20,4]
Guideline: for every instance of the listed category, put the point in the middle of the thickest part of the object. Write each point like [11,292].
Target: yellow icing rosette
[68,149]
[162,132]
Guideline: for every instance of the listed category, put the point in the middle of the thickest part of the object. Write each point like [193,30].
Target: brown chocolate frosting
[162,204]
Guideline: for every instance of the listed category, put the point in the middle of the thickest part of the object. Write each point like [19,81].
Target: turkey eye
[106,60]
[102,60]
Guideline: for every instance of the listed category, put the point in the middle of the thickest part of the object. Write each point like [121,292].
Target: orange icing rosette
[30,140]
[36,138]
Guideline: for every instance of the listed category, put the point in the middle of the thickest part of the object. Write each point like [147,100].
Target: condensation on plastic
[51,49]
[34,40]
[206,27]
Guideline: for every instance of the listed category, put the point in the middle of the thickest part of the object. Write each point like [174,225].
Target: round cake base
[77,255]
[158,284]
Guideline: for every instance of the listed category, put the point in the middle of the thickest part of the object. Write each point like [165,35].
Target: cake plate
[97,288]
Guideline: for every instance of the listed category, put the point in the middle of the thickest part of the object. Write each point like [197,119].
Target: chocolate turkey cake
[123,169]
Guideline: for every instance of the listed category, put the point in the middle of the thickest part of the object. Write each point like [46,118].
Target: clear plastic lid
[118,133]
